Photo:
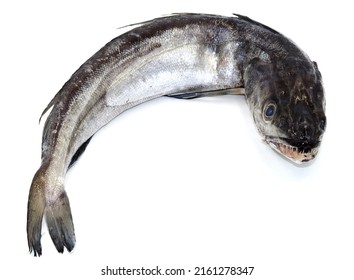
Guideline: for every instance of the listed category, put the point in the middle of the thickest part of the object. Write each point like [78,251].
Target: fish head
[288,107]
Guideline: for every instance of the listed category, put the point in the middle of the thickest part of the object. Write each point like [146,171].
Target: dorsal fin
[256,23]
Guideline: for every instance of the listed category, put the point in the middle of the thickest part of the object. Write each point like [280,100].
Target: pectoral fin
[192,95]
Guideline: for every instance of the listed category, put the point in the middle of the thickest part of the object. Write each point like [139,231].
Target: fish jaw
[292,152]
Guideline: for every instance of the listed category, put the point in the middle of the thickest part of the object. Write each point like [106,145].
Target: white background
[177,183]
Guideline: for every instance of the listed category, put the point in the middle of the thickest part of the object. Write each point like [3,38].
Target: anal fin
[79,152]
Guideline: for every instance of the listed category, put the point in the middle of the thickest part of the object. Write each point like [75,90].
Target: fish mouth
[297,151]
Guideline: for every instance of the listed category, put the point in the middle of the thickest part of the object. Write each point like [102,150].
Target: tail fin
[57,212]
[60,223]
[35,212]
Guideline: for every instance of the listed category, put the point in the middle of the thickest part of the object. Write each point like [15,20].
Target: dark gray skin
[183,56]
[293,95]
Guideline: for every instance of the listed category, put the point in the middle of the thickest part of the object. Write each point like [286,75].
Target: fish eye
[269,111]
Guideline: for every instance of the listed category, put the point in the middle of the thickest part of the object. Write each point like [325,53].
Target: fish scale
[182,56]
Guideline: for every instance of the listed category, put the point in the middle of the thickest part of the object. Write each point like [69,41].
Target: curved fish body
[182,56]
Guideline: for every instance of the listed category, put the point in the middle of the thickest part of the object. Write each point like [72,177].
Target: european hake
[182,56]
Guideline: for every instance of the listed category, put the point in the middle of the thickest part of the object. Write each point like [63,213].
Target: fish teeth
[293,153]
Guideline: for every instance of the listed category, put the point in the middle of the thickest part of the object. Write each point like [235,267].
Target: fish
[182,56]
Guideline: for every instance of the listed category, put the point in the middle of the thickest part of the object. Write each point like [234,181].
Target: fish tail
[57,213]
[35,212]
[60,223]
